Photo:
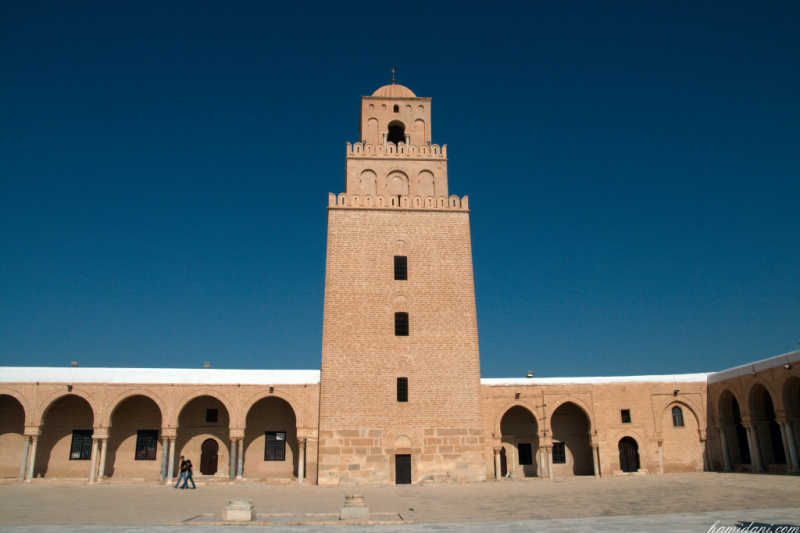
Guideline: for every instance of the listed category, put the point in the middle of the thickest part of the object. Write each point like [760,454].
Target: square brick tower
[400,384]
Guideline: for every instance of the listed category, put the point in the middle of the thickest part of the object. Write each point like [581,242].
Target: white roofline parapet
[198,376]
[668,378]
[755,366]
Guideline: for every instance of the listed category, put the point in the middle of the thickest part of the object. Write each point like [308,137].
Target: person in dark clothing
[182,473]
[188,477]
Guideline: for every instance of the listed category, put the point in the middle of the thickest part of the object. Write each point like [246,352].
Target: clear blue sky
[633,172]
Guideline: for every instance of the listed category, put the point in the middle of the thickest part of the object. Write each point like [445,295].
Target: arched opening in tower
[397,133]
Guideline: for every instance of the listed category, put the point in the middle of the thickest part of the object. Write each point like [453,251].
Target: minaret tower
[400,384]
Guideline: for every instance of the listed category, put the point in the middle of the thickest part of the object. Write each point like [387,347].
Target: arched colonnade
[138,435]
[759,426]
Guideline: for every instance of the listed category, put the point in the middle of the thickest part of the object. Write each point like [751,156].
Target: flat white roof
[755,366]
[667,378]
[198,376]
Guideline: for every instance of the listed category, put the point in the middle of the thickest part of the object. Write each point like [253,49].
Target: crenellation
[417,203]
[390,150]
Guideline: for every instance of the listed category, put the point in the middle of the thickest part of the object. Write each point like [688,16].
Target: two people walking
[185,474]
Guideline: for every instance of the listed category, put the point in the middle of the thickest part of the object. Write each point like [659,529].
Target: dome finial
[394,76]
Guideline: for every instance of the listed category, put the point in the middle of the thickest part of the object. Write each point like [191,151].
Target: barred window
[400,267]
[81,448]
[625,415]
[559,453]
[677,417]
[401,324]
[146,444]
[402,389]
[275,447]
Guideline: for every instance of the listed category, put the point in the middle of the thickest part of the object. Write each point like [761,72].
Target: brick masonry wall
[362,425]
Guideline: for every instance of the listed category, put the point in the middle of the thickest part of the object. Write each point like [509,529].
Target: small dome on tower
[395,90]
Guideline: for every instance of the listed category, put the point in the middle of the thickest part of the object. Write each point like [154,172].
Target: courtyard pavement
[669,503]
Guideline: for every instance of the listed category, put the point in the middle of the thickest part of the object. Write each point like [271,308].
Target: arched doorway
[270,440]
[572,449]
[209,456]
[765,428]
[133,449]
[520,436]
[12,439]
[735,434]
[628,454]
[203,418]
[65,443]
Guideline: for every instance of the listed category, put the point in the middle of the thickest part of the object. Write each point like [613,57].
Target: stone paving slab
[501,503]
[713,522]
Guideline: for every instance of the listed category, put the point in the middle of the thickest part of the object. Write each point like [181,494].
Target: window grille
[275,447]
[146,445]
[677,417]
[81,447]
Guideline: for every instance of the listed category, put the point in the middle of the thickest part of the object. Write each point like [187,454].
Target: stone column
[171,461]
[240,463]
[596,459]
[24,463]
[164,455]
[723,443]
[103,448]
[755,453]
[93,467]
[792,448]
[660,457]
[497,468]
[539,470]
[549,453]
[301,461]
[32,458]
[232,460]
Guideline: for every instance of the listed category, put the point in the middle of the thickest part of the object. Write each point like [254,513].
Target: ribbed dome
[395,90]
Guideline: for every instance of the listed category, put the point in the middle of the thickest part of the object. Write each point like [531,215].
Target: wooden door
[208,457]
[628,455]
[402,469]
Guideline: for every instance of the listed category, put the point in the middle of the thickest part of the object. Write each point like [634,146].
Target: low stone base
[355,508]
[238,510]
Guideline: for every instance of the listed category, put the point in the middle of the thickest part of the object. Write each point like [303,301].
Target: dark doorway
[402,469]
[525,453]
[503,463]
[208,457]
[628,455]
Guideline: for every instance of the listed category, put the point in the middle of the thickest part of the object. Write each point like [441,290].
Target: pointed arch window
[677,417]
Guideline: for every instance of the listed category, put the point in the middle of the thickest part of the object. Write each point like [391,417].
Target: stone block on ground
[238,510]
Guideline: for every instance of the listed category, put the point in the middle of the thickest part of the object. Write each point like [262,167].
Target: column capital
[100,433]
[236,433]
[301,440]
[32,431]
[169,433]
[497,449]
[702,434]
